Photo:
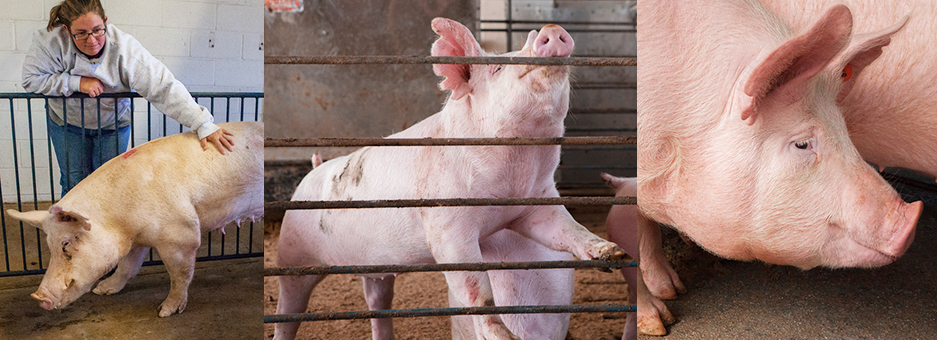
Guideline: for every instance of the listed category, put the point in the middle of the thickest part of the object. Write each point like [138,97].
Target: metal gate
[29,174]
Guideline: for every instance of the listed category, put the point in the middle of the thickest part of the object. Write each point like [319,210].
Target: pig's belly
[370,236]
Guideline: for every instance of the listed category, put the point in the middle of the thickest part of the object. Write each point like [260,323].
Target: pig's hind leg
[294,298]
[379,293]
[127,268]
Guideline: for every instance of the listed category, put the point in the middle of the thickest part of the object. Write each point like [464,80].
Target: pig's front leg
[555,228]
[456,243]
[127,268]
[178,254]
[653,314]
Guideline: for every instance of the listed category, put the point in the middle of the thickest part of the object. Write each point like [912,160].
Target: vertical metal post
[510,27]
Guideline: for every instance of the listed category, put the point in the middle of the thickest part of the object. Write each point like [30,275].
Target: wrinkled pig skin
[161,194]
[486,101]
[743,145]
[622,226]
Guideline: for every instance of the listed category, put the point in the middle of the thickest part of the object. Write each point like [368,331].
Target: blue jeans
[81,151]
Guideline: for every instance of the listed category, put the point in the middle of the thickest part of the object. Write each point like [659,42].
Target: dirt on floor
[428,290]
[222,304]
[754,300]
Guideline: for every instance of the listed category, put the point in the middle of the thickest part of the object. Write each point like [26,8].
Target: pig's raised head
[814,200]
[81,253]
[524,91]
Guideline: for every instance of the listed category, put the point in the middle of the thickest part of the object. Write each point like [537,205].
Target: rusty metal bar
[391,59]
[445,267]
[542,22]
[411,313]
[321,142]
[448,202]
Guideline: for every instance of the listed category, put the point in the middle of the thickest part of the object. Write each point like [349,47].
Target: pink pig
[486,101]
[161,194]
[744,146]
[622,226]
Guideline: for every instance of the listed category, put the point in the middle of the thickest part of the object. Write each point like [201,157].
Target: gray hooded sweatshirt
[54,67]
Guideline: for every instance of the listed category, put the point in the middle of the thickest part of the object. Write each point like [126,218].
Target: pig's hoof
[168,308]
[501,332]
[108,287]
[606,251]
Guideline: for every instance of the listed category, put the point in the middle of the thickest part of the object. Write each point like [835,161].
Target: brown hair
[68,10]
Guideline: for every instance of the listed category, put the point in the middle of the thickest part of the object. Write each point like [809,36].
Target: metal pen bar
[319,142]
[392,59]
[543,22]
[3,223]
[411,313]
[445,267]
[449,202]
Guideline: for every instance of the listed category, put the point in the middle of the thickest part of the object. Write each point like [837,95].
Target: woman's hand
[221,139]
[92,86]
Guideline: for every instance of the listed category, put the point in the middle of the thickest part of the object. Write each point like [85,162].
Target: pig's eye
[498,68]
[803,145]
[847,73]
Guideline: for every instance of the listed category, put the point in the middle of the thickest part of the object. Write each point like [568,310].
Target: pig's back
[172,179]
[358,236]
[892,110]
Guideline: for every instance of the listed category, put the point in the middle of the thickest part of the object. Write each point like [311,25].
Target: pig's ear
[783,75]
[33,218]
[454,40]
[862,51]
[60,215]
[531,39]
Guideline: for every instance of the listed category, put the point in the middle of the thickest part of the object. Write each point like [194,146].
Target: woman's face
[88,23]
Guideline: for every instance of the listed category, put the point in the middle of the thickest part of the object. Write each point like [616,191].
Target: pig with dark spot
[161,194]
[486,101]
[744,146]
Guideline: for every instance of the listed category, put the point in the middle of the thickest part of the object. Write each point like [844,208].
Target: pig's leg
[555,228]
[294,298]
[178,254]
[622,225]
[452,242]
[652,312]
[379,293]
[127,268]
[661,280]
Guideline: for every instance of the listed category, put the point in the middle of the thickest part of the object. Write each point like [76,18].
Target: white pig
[622,226]
[486,101]
[743,148]
[161,194]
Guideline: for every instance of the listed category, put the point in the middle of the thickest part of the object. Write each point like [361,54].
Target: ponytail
[68,10]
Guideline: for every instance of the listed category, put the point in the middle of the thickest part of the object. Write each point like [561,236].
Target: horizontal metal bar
[308,142]
[412,313]
[391,59]
[19,95]
[447,202]
[542,22]
[445,267]
[519,30]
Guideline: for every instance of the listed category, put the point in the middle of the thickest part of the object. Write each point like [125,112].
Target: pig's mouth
[874,252]
[548,70]
[46,301]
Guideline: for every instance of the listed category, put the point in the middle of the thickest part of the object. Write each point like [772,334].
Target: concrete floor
[753,300]
[224,303]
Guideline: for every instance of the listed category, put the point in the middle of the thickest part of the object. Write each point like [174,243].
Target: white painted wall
[209,45]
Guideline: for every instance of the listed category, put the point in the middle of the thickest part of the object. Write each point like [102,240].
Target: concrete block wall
[209,45]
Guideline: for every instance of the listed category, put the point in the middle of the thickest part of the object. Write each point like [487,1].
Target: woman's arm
[44,69]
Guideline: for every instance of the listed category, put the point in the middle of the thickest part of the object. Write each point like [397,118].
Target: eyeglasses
[94,33]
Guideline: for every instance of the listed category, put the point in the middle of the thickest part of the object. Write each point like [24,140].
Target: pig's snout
[44,301]
[904,230]
[553,41]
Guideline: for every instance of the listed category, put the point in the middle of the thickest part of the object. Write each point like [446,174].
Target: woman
[79,52]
